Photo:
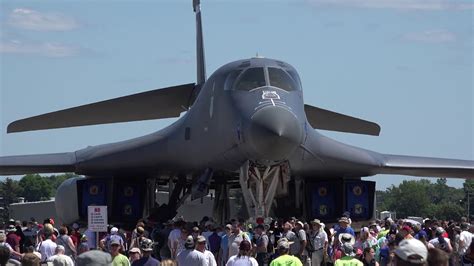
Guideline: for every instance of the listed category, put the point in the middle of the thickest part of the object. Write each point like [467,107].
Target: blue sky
[407,65]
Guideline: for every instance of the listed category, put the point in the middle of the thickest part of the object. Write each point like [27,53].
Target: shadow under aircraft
[246,126]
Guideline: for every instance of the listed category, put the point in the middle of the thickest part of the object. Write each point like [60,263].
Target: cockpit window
[252,78]
[295,76]
[280,79]
[229,82]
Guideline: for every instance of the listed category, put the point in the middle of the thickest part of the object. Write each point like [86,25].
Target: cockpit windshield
[252,78]
[280,79]
[257,77]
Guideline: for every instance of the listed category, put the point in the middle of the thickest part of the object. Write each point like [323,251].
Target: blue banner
[323,200]
[127,202]
[94,192]
[357,199]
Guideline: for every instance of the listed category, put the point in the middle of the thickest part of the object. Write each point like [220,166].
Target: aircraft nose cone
[274,133]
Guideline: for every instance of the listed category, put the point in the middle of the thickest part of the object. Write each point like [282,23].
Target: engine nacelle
[66,200]
[124,198]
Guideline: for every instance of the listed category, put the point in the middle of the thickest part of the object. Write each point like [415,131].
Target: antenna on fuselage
[200,60]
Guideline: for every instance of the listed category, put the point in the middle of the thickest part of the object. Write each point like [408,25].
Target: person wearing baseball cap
[134,254]
[201,247]
[243,258]
[441,242]
[298,248]
[285,259]
[146,246]
[349,256]
[224,245]
[117,257]
[105,242]
[406,232]
[190,256]
[411,252]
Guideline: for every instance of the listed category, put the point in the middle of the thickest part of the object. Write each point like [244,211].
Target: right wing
[40,163]
[154,104]
[328,120]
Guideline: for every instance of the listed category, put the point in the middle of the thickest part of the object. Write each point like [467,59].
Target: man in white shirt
[173,238]
[60,258]
[318,240]
[235,238]
[201,247]
[190,256]
[298,249]
[441,242]
[47,247]
[465,239]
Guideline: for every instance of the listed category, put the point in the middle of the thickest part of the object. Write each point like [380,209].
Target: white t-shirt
[241,261]
[47,248]
[436,244]
[318,239]
[60,259]
[5,244]
[211,261]
[191,257]
[234,242]
[174,235]
[173,239]
[466,239]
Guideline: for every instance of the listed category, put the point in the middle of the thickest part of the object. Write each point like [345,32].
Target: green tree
[446,211]
[9,191]
[410,198]
[423,198]
[57,180]
[468,189]
[35,187]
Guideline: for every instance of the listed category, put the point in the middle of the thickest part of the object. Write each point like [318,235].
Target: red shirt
[76,237]
[14,241]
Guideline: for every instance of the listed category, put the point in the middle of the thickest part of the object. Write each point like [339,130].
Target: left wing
[425,166]
[328,157]
[39,163]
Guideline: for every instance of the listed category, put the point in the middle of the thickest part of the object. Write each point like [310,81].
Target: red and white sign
[97,218]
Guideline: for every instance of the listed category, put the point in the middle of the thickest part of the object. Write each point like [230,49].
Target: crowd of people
[271,242]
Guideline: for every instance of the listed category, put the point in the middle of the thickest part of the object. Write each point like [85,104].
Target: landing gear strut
[259,186]
[178,193]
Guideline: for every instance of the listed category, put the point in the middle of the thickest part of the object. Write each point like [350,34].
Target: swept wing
[39,163]
[154,104]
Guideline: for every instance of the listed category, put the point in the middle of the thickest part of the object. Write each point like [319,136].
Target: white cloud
[29,19]
[431,36]
[398,4]
[48,49]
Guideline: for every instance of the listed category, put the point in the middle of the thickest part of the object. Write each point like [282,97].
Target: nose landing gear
[260,184]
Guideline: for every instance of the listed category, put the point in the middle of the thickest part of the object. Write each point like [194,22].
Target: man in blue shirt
[224,250]
[344,227]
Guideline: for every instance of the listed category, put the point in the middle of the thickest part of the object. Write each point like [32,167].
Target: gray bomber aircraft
[247,122]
